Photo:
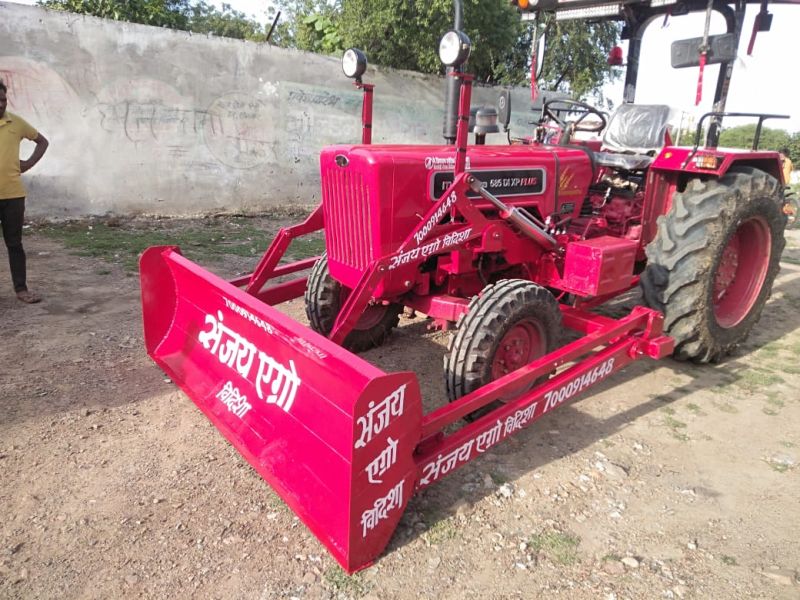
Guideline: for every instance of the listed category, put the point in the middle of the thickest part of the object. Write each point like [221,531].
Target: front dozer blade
[331,433]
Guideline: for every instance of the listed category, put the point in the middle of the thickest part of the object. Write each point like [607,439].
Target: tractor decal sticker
[439,244]
[444,464]
[380,415]
[519,419]
[500,182]
[243,312]
[434,219]
[371,517]
[438,162]
[567,185]
[383,462]
[236,402]
[282,380]
[568,390]
[440,467]
[312,349]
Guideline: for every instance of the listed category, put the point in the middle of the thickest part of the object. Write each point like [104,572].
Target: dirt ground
[669,481]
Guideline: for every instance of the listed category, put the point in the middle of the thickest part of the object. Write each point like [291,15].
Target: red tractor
[507,245]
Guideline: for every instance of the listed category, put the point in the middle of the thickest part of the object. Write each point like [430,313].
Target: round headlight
[454,48]
[354,63]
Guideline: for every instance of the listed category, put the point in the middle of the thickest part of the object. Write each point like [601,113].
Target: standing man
[12,193]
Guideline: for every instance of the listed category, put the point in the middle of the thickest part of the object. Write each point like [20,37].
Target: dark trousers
[12,215]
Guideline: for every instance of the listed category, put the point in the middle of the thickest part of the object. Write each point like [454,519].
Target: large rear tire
[324,299]
[792,210]
[511,323]
[713,261]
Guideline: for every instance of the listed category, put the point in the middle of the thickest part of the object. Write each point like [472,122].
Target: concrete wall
[148,120]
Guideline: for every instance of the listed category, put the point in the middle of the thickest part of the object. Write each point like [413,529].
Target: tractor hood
[374,195]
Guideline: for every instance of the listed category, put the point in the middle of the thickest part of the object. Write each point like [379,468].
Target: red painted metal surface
[384,189]
[366,111]
[679,158]
[338,439]
[599,266]
[310,417]
[267,267]
[522,344]
[741,271]
[344,443]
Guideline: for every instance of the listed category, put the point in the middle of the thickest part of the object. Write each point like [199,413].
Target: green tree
[161,13]
[196,16]
[225,23]
[742,136]
[405,35]
[576,55]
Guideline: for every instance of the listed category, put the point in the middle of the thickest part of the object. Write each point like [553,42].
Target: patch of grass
[775,400]
[770,350]
[779,467]
[674,423]
[499,478]
[342,583]
[787,444]
[561,548]
[791,369]
[611,557]
[674,427]
[306,247]
[726,408]
[441,531]
[668,410]
[728,560]
[755,380]
[769,411]
[695,408]
[200,240]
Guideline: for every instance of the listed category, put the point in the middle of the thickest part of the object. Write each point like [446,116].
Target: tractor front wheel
[324,299]
[713,261]
[511,323]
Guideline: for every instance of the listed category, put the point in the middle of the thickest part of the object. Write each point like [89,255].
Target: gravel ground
[667,481]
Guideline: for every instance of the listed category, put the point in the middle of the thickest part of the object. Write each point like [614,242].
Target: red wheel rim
[522,343]
[741,272]
[373,314]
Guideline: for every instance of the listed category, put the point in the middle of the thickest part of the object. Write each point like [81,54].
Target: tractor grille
[347,218]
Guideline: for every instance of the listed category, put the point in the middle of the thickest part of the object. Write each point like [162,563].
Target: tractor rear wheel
[713,261]
[511,323]
[324,299]
[792,210]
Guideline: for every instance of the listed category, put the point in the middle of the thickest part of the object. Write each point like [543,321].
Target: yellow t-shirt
[12,130]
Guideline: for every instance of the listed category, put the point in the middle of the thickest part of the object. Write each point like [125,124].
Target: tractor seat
[634,136]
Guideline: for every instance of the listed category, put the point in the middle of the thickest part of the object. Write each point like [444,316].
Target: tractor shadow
[566,431]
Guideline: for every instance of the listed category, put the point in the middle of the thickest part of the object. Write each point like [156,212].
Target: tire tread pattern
[678,279]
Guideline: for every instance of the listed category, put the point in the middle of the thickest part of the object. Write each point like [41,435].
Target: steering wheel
[551,108]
